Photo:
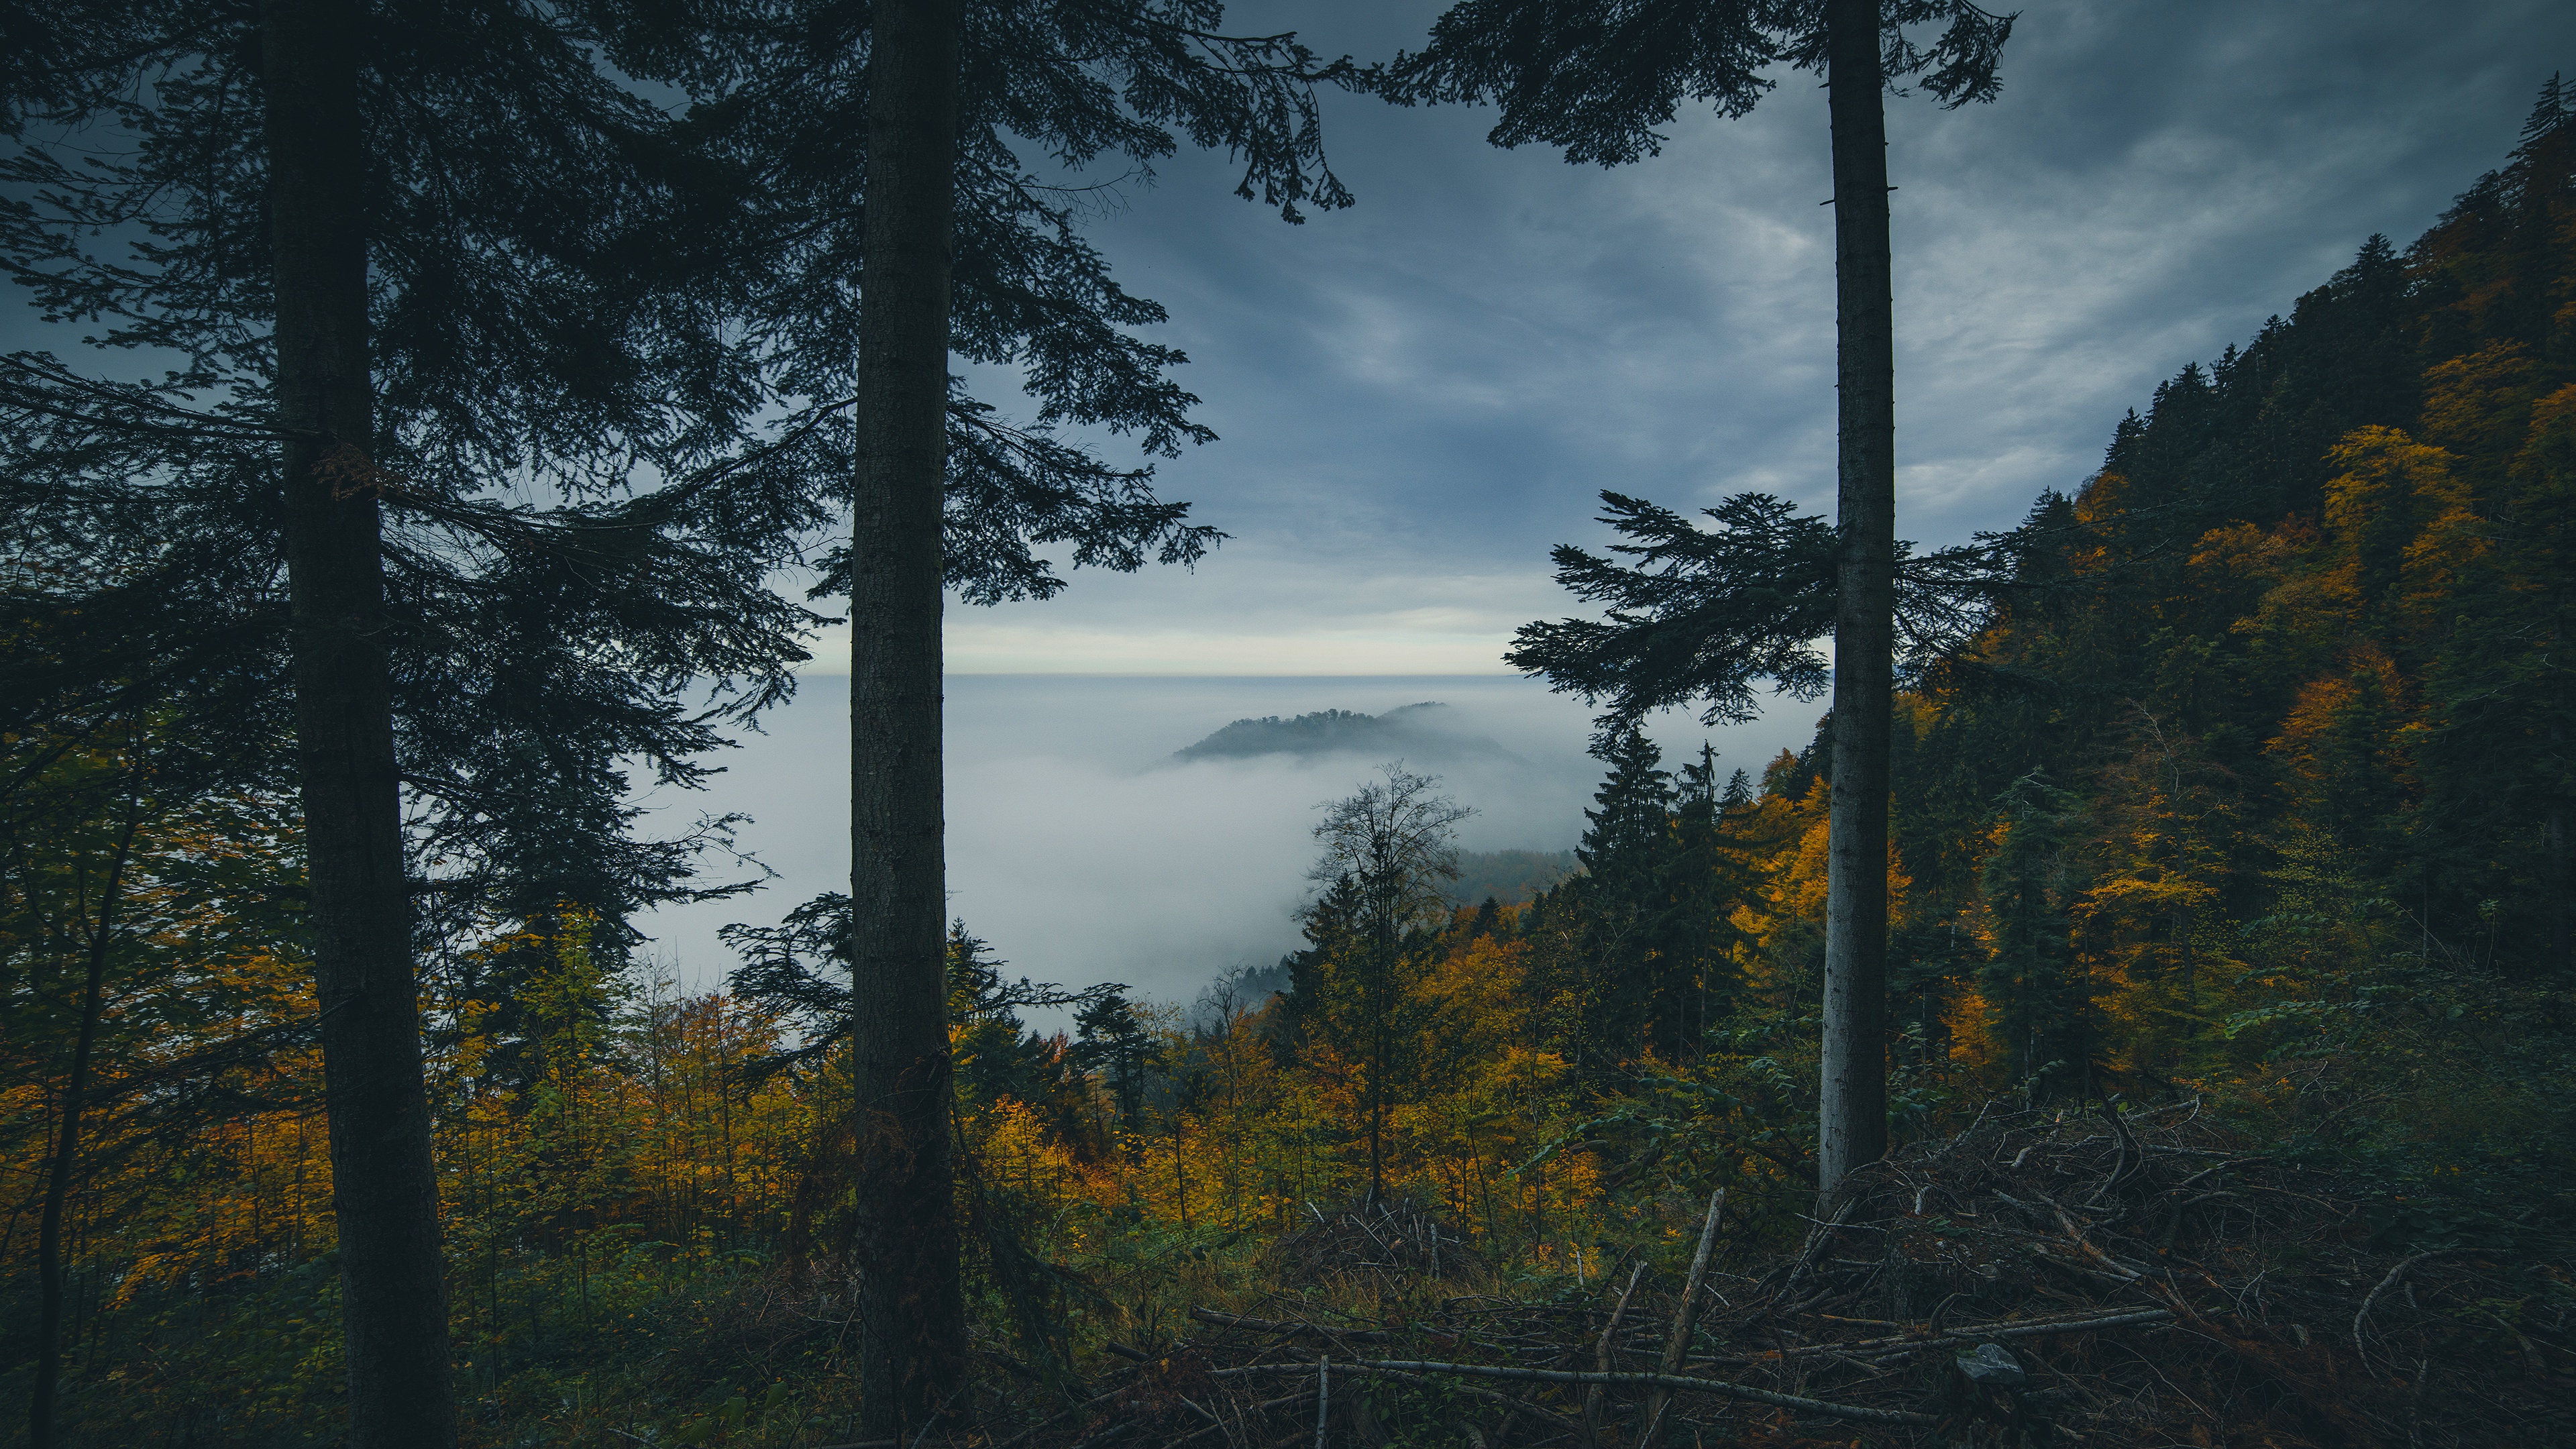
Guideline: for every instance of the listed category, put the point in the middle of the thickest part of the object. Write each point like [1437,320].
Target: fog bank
[1084,851]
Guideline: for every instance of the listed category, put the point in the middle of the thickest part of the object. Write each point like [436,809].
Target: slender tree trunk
[2553,834]
[383,1188]
[1381,1046]
[912,1303]
[58,1177]
[1853,1114]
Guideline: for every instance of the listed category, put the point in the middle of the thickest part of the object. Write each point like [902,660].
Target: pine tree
[912,1311]
[1597,81]
[668,278]
[330,275]
[386,1191]
[2036,1004]
[1627,853]
[951,245]
[1705,882]
[1111,1040]
[1386,855]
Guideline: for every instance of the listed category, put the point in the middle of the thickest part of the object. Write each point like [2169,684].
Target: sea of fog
[1084,852]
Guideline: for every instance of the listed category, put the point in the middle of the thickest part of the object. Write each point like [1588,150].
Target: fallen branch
[1676,1382]
[1685,1315]
[1878,1348]
[2221,1167]
[1287,1326]
[2409,1261]
[1049,1422]
[1816,1240]
[1601,1353]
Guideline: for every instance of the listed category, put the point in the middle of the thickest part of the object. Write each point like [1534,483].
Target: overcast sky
[1420,395]
[1417,397]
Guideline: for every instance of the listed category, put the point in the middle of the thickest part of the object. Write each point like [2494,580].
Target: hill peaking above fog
[1428,731]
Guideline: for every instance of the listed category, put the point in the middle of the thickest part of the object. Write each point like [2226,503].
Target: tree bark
[912,1302]
[58,1176]
[1852,1125]
[383,1187]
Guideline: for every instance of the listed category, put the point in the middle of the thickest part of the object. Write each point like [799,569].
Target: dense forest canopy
[2243,790]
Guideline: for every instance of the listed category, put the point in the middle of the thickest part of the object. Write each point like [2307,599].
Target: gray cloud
[1431,387]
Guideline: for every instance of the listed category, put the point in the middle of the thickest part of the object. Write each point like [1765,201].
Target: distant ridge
[1425,731]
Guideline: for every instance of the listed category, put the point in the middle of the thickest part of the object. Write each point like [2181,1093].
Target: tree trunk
[1852,1123]
[912,1302]
[58,1176]
[1381,998]
[2553,831]
[2555,834]
[384,1190]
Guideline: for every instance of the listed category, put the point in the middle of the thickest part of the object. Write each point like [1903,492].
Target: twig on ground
[2395,1273]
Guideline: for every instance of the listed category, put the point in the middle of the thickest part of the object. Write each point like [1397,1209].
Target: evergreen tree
[912,1310]
[1386,855]
[1628,854]
[668,279]
[1707,881]
[1631,819]
[888,141]
[326,213]
[2037,1009]
[1597,80]
[1111,1041]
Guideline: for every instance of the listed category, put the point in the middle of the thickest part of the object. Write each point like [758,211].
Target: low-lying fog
[1084,851]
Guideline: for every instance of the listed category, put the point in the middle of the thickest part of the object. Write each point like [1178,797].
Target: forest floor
[2044,1278]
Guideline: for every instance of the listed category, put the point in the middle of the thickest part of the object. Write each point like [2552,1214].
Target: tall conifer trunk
[1852,1127]
[912,1306]
[384,1191]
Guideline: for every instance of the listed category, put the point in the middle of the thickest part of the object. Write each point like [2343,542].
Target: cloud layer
[1419,396]
[1085,853]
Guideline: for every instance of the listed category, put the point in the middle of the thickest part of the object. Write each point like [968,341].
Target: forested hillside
[1425,731]
[2248,801]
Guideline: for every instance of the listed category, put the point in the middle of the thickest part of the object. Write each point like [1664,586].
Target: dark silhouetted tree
[900,226]
[403,278]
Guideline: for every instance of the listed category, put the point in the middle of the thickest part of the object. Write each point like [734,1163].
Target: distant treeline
[1508,876]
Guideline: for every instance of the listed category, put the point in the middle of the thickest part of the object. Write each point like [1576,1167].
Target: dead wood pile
[2044,1279]
[1375,1243]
